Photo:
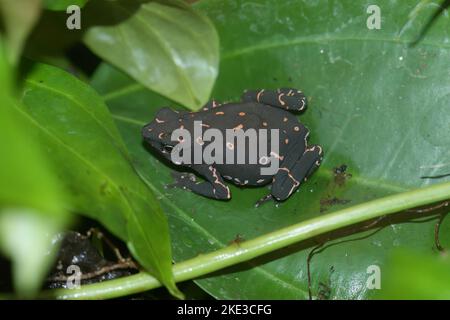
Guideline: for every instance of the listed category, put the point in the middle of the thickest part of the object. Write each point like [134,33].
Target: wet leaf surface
[375,104]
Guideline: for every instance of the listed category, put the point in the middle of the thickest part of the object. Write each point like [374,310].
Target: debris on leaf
[341,175]
[328,202]
[237,240]
[79,257]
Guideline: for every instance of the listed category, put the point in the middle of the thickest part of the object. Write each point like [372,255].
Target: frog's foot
[213,187]
[285,98]
[264,199]
[181,180]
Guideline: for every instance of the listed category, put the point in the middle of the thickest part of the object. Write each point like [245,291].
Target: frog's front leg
[211,105]
[213,187]
[285,98]
[289,178]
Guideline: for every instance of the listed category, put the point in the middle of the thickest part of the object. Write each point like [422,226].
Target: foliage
[376,104]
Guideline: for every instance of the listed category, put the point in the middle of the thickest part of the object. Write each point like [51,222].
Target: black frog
[258,109]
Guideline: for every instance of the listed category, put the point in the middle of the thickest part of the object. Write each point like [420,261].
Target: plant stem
[237,253]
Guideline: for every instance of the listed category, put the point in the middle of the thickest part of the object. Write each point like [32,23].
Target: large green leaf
[31,201]
[165,45]
[90,158]
[375,104]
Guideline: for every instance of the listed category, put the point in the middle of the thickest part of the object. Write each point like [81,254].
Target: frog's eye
[167,148]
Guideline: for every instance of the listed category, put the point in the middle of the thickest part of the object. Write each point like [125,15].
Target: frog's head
[158,132]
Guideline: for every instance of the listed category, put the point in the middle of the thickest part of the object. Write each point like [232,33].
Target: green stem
[234,254]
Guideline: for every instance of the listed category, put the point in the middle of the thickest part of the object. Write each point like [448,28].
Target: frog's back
[251,115]
[280,147]
[248,115]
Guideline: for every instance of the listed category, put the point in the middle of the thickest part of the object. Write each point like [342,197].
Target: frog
[257,109]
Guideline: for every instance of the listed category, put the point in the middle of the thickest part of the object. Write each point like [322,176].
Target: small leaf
[19,18]
[76,130]
[165,45]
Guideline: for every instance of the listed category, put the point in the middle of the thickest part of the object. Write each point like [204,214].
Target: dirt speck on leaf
[237,240]
[341,175]
[328,202]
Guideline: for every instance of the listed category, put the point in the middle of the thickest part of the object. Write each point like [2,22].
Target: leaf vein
[317,39]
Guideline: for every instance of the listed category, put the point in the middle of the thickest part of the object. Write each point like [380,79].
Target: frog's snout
[146,131]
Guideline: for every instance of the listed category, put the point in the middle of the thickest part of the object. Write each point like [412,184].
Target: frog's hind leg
[214,186]
[287,180]
[315,149]
[289,161]
[285,98]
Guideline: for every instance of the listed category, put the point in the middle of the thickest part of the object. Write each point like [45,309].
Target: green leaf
[165,45]
[415,276]
[26,238]
[32,207]
[375,104]
[77,131]
[62,5]
[18,18]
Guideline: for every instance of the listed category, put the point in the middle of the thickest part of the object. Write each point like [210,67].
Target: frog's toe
[222,193]
[263,200]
